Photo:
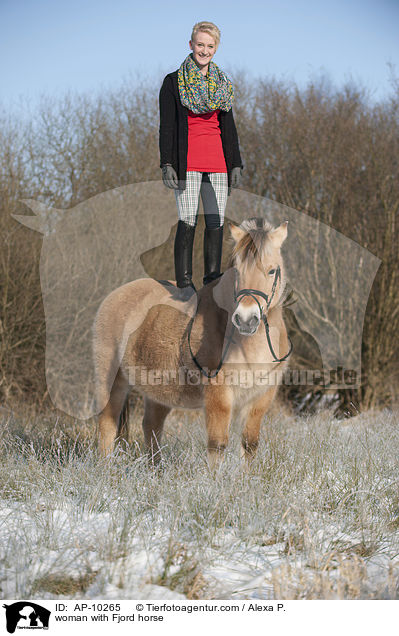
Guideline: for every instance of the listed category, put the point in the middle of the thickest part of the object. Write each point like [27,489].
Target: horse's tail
[124,421]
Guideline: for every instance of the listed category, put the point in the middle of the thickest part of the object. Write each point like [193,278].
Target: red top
[205,150]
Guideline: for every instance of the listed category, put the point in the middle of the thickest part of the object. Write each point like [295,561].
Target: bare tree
[331,153]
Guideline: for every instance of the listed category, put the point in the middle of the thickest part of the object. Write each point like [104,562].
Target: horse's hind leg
[250,434]
[109,419]
[153,421]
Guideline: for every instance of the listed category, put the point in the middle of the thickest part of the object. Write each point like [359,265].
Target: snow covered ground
[317,517]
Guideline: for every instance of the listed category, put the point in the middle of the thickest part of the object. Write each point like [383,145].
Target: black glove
[235,177]
[169,176]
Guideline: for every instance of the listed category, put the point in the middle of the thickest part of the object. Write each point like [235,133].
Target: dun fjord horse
[194,354]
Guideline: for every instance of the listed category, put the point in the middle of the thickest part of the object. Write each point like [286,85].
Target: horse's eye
[272,272]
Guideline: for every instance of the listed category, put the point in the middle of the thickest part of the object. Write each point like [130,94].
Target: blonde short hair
[207,27]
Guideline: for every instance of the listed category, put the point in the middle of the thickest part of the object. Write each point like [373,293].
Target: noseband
[253,293]
[238,296]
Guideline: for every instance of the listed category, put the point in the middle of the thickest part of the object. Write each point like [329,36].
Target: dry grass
[315,518]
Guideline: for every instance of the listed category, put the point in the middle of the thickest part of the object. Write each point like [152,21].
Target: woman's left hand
[235,178]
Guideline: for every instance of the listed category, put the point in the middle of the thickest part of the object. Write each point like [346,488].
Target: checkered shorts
[213,189]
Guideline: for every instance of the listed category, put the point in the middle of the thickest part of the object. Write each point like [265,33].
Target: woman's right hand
[169,176]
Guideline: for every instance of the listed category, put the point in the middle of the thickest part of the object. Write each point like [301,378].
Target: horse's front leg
[218,409]
[250,434]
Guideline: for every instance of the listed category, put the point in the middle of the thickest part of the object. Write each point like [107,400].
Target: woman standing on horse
[199,151]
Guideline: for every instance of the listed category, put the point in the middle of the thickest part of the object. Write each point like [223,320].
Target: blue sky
[48,46]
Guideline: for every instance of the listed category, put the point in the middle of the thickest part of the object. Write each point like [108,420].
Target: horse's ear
[279,234]
[236,232]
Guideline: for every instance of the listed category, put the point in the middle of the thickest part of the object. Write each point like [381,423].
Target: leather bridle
[238,297]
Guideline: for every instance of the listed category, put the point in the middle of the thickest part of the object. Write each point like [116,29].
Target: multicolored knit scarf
[203,94]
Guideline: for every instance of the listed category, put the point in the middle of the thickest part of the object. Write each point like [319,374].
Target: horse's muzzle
[247,326]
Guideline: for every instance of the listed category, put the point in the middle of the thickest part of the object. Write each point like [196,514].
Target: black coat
[173,132]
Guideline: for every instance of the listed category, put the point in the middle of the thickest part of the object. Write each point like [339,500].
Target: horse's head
[259,274]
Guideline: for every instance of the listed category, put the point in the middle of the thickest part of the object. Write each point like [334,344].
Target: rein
[253,293]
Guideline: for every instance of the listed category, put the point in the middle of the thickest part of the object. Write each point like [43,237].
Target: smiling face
[204,48]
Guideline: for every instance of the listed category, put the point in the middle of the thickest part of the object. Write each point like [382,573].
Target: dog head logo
[128,233]
[26,615]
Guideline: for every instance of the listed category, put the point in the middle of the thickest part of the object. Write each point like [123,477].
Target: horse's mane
[254,244]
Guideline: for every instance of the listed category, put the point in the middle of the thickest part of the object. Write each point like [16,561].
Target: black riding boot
[183,258]
[213,241]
